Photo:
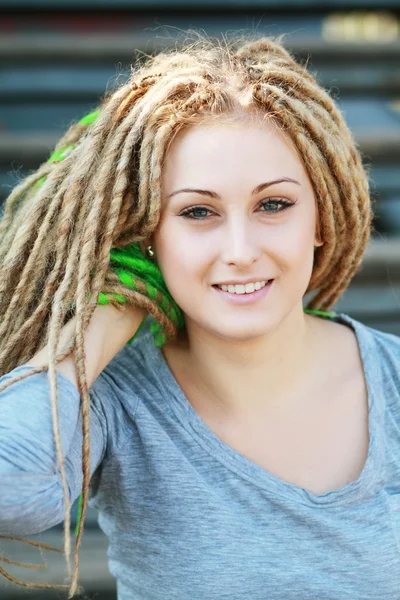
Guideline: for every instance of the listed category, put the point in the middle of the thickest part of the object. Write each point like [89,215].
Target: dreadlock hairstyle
[56,238]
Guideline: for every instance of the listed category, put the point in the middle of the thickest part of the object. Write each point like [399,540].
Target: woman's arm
[107,333]
[31,495]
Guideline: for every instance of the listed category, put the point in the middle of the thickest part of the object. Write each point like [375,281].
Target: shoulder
[354,347]
[384,344]
[380,352]
[130,372]
[123,385]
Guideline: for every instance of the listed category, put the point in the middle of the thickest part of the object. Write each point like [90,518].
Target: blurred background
[57,58]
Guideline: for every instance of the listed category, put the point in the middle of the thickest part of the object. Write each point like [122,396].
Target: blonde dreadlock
[56,238]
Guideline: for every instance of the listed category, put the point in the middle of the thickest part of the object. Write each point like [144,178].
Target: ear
[317,240]
[143,245]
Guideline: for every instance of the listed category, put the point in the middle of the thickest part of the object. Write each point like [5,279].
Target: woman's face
[236,230]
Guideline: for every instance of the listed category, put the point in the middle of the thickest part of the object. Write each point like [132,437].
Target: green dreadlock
[130,265]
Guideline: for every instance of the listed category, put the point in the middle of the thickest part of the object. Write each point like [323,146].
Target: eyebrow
[216,196]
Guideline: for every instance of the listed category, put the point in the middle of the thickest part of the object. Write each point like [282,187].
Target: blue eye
[271,203]
[189,212]
[276,201]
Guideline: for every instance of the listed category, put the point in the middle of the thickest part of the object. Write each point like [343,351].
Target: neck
[265,373]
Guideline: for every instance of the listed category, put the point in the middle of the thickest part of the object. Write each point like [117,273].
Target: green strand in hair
[320,313]
[131,258]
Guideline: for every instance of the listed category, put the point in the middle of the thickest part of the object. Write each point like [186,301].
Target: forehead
[241,148]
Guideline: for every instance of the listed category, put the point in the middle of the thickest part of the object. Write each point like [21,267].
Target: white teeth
[243,289]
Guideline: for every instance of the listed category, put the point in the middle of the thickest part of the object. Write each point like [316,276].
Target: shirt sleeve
[31,491]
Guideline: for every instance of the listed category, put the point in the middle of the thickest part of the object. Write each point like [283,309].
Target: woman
[243,452]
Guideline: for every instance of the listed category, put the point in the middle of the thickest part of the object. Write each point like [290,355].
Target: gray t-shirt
[185,514]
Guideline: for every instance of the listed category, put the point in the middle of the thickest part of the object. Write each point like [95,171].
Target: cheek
[182,264]
[302,260]
[187,267]
[294,257]
[303,257]
[181,253]
[294,244]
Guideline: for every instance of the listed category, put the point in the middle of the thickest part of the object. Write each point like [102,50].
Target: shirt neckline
[352,493]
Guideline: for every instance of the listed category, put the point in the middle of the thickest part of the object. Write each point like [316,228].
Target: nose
[239,244]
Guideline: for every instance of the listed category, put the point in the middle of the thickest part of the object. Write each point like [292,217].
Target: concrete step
[100,47]
[94,574]
[35,147]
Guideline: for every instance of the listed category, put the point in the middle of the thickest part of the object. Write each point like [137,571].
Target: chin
[242,332]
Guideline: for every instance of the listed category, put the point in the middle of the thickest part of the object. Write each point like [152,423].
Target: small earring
[149,252]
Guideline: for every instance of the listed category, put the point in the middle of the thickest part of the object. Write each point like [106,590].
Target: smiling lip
[244,298]
[242,282]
